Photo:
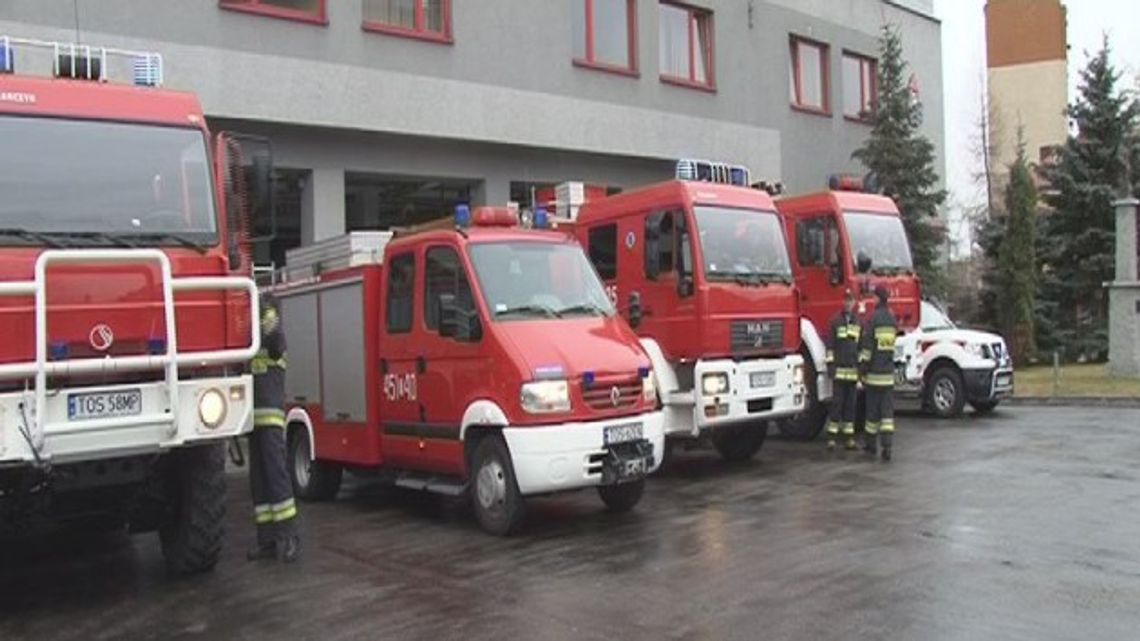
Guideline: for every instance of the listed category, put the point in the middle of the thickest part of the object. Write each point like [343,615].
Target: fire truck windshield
[742,245]
[526,280]
[882,238]
[79,183]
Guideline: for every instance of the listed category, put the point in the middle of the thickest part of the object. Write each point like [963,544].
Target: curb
[1072,401]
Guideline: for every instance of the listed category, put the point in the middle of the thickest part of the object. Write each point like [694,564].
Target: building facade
[1027,60]
[389,112]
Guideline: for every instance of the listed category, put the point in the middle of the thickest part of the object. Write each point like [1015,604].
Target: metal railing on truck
[42,368]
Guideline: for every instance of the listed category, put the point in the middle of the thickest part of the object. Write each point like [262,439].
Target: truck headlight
[798,375]
[545,397]
[976,350]
[212,408]
[649,388]
[713,384]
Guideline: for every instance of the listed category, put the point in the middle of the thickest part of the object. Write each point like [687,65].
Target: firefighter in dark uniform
[275,511]
[877,365]
[843,368]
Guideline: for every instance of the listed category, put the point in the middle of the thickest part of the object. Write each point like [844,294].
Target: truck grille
[601,395]
[757,336]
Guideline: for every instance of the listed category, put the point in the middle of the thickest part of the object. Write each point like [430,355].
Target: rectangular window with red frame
[809,75]
[860,86]
[686,42]
[426,19]
[304,10]
[605,34]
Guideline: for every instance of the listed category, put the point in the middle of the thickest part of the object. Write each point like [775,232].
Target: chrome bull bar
[171,360]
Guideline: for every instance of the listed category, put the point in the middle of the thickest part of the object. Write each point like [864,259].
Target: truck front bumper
[154,428]
[759,390]
[988,385]
[569,456]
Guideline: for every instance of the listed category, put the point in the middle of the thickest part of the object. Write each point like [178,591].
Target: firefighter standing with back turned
[275,511]
[877,364]
[843,367]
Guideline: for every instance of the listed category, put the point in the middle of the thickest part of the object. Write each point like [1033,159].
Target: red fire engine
[124,302]
[483,358]
[844,239]
[700,265]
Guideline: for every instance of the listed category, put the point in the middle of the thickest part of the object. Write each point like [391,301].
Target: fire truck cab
[125,301]
[700,267]
[481,358]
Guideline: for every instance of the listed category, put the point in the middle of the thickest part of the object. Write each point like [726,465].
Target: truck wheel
[194,525]
[740,443]
[622,497]
[806,425]
[984,407]
[945,392]
[495,495]
[312,480]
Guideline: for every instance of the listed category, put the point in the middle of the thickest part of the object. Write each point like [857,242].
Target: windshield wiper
[528,310]
[26,234]
[175,238]
[582,308]
[117,241]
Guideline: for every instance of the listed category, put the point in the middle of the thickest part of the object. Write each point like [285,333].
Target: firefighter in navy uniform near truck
[877,366]
[843,368]
[274,508]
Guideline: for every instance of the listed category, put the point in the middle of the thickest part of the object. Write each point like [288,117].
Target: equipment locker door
[399,366]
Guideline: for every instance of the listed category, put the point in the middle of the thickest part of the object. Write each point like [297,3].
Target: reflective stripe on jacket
[877,349]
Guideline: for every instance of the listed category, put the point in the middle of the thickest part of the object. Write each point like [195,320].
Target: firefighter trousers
[274,508]
[841,415]
[881,413]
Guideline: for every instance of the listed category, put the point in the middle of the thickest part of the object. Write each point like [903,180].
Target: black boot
[886,455]
[888,441]
[289,549]
[871,444]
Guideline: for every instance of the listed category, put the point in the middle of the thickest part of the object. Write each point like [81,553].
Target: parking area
[1022,525]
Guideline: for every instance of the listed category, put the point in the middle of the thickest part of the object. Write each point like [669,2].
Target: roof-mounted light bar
[849,182]
[81,62]
[714,172]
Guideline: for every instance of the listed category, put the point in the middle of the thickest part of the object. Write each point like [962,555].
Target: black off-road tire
[808,424]
[312,480]
[740,443]
[495,498]
[623,497]
[945,395]
[193,529]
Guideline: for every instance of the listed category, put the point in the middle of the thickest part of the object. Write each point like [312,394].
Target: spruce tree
[903,160]
[1017,260]
[1077,247]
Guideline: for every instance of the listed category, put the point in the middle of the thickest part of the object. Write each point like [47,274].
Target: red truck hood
[566,348]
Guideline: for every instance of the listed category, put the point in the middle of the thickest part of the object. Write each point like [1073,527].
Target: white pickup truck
[945,367]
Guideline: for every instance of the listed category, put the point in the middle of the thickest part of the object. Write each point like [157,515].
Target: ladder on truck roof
[80,62]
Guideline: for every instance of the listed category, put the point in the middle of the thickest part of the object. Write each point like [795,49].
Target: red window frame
[866,103]
[262,8]
[420,31]
[797,75]
[590,61]
[697,16]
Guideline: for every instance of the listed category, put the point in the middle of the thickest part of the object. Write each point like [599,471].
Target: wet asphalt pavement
[1024,525]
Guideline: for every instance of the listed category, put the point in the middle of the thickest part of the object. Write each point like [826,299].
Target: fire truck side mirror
[247,169]
[635,312]
[862,263]
[685,286]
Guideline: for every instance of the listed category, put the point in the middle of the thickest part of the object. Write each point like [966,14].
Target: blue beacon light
[462,216]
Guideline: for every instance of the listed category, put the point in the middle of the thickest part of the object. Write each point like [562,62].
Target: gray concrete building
[388,112]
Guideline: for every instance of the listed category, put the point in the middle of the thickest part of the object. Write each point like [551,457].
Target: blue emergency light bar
[713,172]
[7,56]
[462,216]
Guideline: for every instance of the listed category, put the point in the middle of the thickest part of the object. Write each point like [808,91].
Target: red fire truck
[125,304]
[480,358]
[844,239]
[700,265]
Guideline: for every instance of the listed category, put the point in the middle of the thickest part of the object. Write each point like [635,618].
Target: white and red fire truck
[480,358]
[700,266]
[125,304]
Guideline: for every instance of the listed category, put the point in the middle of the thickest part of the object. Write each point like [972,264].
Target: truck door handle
[421,364]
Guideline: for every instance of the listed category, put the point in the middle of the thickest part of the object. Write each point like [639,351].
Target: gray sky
[964,61]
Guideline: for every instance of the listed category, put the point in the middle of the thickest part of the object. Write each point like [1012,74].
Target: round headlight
[212,408]
[713,384]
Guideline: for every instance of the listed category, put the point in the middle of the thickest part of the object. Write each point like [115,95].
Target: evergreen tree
[903,160]
[1017,259]
[1077,247]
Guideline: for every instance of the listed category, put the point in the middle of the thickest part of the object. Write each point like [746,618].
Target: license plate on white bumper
[623,433]
[762,379]
[93,405]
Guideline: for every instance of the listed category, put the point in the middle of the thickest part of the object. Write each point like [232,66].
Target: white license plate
[623,433]
[762,379]
[82,407]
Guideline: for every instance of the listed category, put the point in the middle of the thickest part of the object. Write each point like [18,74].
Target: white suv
[945,367]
